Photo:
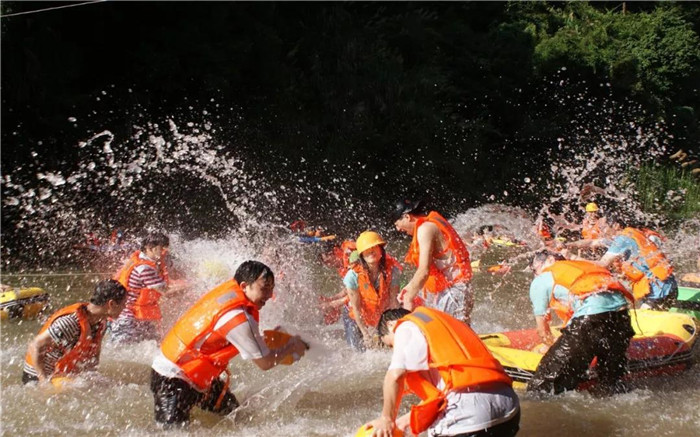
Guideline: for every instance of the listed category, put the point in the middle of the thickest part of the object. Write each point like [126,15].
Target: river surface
[331,392]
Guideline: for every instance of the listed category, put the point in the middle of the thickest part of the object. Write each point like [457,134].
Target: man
[464,390]
[644,264]
[593,306]
[442,260]
[197,350]
[71,340]
[145,278]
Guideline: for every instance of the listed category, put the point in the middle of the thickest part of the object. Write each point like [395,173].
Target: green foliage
[646,52]
[668,189]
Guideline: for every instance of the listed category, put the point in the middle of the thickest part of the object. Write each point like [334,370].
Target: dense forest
[418,91]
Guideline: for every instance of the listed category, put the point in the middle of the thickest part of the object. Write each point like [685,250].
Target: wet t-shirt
[465,412]
[543,286]
[239,328]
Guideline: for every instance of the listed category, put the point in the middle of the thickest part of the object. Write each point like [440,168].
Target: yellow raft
[25,303]
[664,343]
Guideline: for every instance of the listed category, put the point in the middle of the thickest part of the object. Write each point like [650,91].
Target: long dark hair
[382,263]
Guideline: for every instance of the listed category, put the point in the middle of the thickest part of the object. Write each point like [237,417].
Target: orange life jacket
[457,353]
[650,256]
[202,364]
[436,280]
[342,253]
[85,353]
[544,231]
[582,279]
[146,305]
[373,302]
[590,229]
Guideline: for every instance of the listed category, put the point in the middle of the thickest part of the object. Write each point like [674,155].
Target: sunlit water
[330,392]
[175,172]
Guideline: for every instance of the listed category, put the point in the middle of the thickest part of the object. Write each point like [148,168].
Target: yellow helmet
[591,207]
[368,240]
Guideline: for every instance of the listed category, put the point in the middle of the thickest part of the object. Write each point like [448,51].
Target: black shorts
[565,365]
[175,398]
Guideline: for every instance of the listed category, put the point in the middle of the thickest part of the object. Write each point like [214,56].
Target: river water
[330,392]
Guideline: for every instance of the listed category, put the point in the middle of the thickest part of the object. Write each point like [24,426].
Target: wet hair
[106,291]
[542,256]
[382,262]
[402,207]
[390,316]
[154,239]
[251,270]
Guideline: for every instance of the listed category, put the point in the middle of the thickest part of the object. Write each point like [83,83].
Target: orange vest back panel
[436,280]
[85,352]
[460,357]
[582,279]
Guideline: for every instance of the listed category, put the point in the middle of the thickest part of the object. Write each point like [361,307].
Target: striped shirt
[143,276]
[64,333]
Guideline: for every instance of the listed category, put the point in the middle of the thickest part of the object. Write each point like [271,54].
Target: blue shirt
[627,249]
[541,293]
[350,280]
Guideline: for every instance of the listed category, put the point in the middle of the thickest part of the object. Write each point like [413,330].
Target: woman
[372,286]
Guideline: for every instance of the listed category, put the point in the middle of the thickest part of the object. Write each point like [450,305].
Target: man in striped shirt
[144,277]
[71,340]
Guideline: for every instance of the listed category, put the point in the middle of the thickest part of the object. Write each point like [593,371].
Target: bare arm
[607,259]
[426,242]
[544,331]
[37,352]
[393,382]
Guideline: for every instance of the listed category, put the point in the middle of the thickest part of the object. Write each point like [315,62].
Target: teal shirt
[541,293]
[350,280]
[626,248]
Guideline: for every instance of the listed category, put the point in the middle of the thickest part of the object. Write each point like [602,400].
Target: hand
[408,304]
[383,427]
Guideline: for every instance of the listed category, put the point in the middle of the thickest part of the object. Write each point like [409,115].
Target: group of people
[464,390]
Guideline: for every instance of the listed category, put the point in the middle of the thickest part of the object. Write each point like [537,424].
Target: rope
[51,9]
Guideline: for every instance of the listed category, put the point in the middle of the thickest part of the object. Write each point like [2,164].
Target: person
[197,350]
[593,226]
[463,388]
[145,277]
[71,340]
[372,286]
[442,260]
[593,306]
[644,264]
[341,258]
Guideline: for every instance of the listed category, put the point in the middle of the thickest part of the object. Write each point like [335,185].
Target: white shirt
[244,336]
[465,412]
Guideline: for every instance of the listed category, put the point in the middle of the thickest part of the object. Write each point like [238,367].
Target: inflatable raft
[25,303]
[664,343]
[688,302]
